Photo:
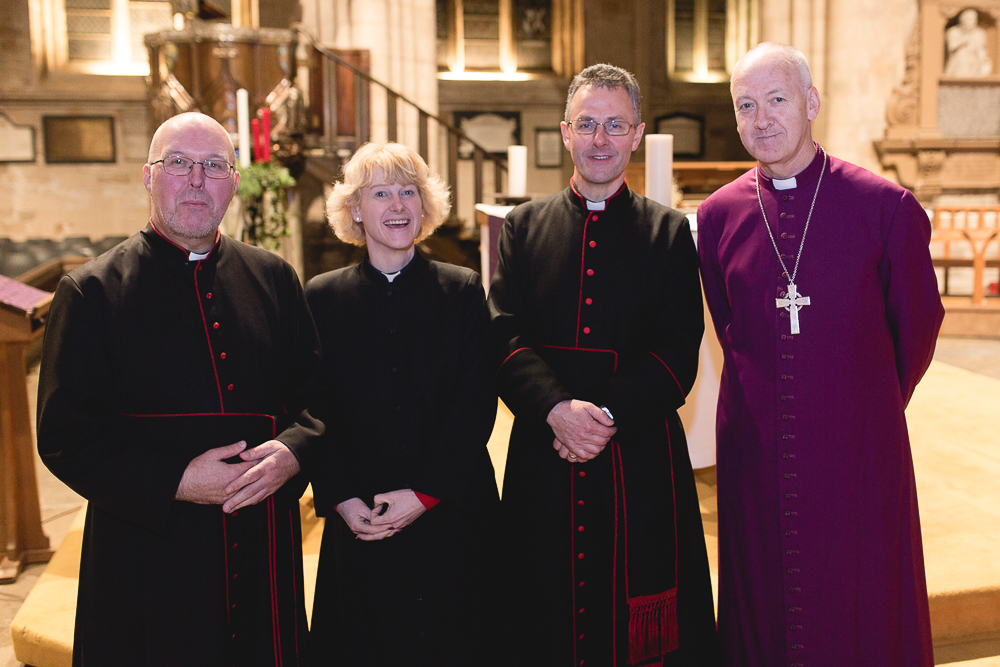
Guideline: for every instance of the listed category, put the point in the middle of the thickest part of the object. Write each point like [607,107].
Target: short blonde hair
[401,165]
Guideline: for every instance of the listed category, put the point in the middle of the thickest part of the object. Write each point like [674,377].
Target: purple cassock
[820,557]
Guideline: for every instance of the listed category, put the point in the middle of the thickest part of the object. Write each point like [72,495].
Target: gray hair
[781,53]
[606,76]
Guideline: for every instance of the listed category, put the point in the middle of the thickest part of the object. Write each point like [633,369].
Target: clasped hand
[209,480]
[402,508]
[582,430]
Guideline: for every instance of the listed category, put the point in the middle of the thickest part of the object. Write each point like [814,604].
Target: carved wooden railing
[977,226]
[340,133]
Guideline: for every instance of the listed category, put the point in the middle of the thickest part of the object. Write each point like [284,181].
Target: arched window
[102,36]
[505,37]
[705,38]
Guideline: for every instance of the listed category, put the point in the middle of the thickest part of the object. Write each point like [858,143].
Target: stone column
[803,24]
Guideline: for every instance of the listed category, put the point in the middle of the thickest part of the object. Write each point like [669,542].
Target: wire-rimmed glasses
[175,165]
[614,128]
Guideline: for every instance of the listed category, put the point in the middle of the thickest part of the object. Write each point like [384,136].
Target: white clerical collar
[391,276]
[198,256]
[784,183]
[596,205]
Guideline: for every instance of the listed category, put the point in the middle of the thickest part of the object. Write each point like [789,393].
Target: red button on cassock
[593,244]
[590,272]
[583,474]
[589,301]
[208,296]
[230,387]
[586,330]
[222,356]
[215,326]
[579,556]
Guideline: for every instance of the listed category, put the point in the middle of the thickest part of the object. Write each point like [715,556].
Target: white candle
[517,170]
[659,167]
[243,125]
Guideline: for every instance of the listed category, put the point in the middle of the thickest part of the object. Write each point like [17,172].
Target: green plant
[263,190]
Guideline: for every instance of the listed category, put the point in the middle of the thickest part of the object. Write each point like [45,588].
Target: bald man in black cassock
[174,375]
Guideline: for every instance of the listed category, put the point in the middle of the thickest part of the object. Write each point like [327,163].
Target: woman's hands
[402,508]
[357,515]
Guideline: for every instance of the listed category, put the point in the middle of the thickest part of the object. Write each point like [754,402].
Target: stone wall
[60,200]
[865,61]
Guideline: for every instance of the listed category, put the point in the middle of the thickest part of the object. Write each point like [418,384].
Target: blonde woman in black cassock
[407,485]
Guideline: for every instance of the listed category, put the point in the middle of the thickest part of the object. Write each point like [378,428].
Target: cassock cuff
[427,501]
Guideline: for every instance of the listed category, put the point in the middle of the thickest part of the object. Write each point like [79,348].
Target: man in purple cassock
[819,281]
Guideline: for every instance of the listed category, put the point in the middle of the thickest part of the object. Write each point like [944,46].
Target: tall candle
[243,125]
[266,134]
[659,167]
[517,170]
[255,124]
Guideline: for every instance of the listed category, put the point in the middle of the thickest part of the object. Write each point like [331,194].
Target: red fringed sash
[652,626]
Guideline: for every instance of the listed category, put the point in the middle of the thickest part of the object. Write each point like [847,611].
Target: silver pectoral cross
[793,304]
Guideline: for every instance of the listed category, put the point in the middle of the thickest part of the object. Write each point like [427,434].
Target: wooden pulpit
[22,311]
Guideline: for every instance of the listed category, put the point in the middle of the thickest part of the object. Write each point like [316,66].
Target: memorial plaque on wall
[688,132]
[548,147]
[73,139]
[494,131]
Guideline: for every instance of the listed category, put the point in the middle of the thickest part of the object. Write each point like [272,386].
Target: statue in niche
[966,44]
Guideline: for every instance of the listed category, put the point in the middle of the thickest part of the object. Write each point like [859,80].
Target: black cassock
[607,559]
[409,403]
[150,359]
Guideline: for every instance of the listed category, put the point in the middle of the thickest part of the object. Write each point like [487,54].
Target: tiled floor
[59,505]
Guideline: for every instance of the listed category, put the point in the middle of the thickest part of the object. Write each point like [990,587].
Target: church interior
[84,83]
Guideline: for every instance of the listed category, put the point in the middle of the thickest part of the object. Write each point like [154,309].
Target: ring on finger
[572,456]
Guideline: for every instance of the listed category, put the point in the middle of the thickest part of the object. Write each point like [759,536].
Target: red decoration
[266,134]
[255,126]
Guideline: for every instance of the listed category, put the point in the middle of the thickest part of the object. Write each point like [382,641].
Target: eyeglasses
[182,166]
[614,128]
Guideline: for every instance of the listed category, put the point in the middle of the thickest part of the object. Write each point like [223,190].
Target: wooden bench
[977,226]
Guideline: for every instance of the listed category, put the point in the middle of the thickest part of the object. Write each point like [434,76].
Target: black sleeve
[463,427]
[301,431]
[659,379]
[527,385]
[76,432]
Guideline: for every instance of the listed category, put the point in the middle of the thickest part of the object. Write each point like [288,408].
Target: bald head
[184,123]
[775,105]
[188,207]
[772,55]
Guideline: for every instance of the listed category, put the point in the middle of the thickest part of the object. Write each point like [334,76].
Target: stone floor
[59,507]
[60,504]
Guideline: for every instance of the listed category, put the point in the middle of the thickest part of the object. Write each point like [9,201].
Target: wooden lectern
[22,309]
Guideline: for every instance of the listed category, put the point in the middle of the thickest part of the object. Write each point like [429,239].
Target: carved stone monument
[943,136]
